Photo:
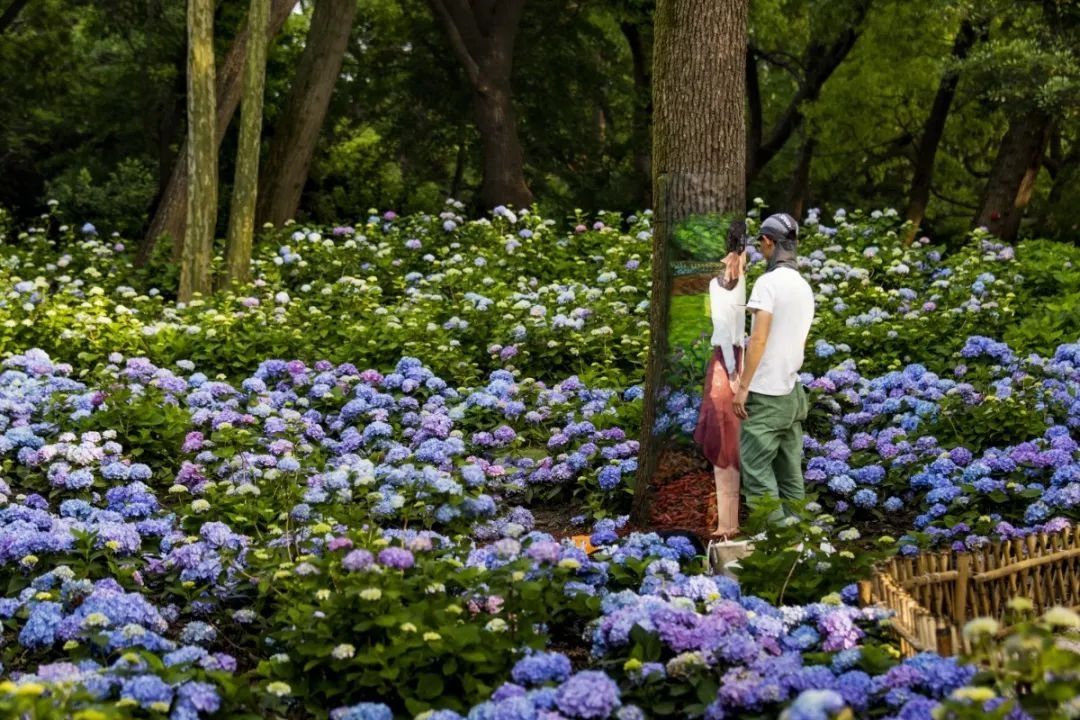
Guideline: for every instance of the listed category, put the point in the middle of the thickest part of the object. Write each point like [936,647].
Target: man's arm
[754,351]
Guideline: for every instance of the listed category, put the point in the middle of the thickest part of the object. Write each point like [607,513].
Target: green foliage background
[93,106]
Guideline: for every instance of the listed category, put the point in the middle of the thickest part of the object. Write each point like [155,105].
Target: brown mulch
[555,519]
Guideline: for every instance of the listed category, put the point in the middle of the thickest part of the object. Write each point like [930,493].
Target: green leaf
[429,686]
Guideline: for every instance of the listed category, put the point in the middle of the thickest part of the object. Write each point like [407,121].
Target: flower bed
[312,497]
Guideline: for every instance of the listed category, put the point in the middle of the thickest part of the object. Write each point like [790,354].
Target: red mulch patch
[684,494]
[687,503]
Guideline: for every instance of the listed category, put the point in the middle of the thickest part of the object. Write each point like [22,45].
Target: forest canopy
[850,103]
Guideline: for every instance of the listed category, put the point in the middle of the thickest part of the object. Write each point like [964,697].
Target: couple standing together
[753,405]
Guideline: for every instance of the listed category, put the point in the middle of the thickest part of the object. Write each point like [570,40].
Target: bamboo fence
[934,594]
[696,267]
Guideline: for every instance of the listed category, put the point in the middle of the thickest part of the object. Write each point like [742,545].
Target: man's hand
[740,402]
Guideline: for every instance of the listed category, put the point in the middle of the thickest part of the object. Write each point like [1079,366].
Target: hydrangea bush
[311,496]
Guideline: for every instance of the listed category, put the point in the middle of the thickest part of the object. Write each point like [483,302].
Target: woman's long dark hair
[736,243]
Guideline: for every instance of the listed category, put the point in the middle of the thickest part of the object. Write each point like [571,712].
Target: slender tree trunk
[482,35]
[297,132]
[169,132]
[245,187]
[12,12]
[198,245]
[933,131]
[642,120]
[1012,177]
[699,153]
[171,213]
[800,181]
[459,164]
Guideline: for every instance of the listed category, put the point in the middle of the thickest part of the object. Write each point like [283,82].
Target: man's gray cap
[780,227]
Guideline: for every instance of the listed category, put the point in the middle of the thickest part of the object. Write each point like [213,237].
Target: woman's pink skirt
[717,429]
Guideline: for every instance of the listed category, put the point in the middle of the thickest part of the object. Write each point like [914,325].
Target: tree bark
[1013,175]
[241,234]
[482,35]
[699,151]
[198,245]
[297,132]
[171,214]
[800,181]
[821,61]
[12,12]
[933,130]
[642,119]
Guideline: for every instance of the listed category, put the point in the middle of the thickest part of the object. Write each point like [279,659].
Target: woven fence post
[866,593]
[963,574]
[944,638]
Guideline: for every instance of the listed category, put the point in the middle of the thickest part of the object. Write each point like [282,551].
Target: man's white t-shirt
[784,293]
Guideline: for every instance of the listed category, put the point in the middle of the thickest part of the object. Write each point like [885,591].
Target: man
[770,400]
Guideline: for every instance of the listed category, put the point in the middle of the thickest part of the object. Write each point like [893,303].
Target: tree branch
[784,60]
[822,62]
[457,42]
[465,20]
[12,12]
[965,160]
[952,201]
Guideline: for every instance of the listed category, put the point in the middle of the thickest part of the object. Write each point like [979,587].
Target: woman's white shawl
[728,310]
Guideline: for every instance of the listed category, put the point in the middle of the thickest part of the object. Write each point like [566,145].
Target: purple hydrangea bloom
[588,694]
[398,558]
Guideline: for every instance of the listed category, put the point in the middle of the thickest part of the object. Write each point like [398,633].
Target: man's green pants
[771,444]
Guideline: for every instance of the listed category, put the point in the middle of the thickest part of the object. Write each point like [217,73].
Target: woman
[717,429]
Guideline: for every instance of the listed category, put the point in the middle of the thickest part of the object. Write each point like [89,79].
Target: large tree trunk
[504,164]
[699,150]
[820,61]
[1012,177]
[933,131]
[297,132]
[198,245]
[482,35]
[640,135]
[245,187]
[171,213]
